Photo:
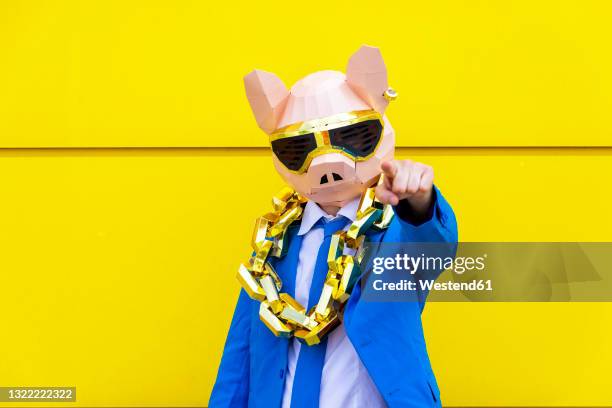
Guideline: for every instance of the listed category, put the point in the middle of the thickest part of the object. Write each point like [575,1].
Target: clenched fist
[405,179]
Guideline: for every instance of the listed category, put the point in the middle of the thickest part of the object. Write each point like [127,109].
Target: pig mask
[304,119]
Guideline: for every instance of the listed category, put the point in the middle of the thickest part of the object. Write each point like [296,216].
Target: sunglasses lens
[293,151]
[359,139]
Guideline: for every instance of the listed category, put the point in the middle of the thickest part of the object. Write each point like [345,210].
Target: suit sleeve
[439,225]
[231,388]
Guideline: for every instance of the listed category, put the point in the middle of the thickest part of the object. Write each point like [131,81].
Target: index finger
[389,169]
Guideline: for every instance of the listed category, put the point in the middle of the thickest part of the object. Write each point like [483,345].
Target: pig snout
[330,169]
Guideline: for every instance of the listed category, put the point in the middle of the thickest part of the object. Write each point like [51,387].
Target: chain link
[280,312]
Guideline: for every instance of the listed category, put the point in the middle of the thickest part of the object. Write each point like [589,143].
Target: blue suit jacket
[388,336]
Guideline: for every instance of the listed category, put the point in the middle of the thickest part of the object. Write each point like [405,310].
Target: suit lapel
[271,352]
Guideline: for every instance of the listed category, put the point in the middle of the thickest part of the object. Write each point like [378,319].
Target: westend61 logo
[422,263]
[487,272]
[406,273]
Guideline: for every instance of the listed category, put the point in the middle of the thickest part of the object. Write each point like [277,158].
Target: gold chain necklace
[283,315]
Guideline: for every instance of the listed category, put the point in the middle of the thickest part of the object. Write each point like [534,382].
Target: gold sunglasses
[355,134]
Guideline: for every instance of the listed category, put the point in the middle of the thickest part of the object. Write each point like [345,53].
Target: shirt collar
[313,213]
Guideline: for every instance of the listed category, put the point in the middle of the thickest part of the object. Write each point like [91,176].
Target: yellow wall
[117,265]
[169,73]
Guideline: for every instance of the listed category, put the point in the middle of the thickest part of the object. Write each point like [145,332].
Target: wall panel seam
[265,151]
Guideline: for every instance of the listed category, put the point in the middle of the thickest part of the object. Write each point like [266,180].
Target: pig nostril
[325,178]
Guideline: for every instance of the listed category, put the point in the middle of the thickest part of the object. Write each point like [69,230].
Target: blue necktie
[307,381]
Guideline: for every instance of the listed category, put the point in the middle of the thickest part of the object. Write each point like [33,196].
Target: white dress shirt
[344,382]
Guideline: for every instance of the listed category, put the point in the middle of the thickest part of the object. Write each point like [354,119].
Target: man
[331,142]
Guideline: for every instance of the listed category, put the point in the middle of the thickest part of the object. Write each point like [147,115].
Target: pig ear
[366,74]
[267,95]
